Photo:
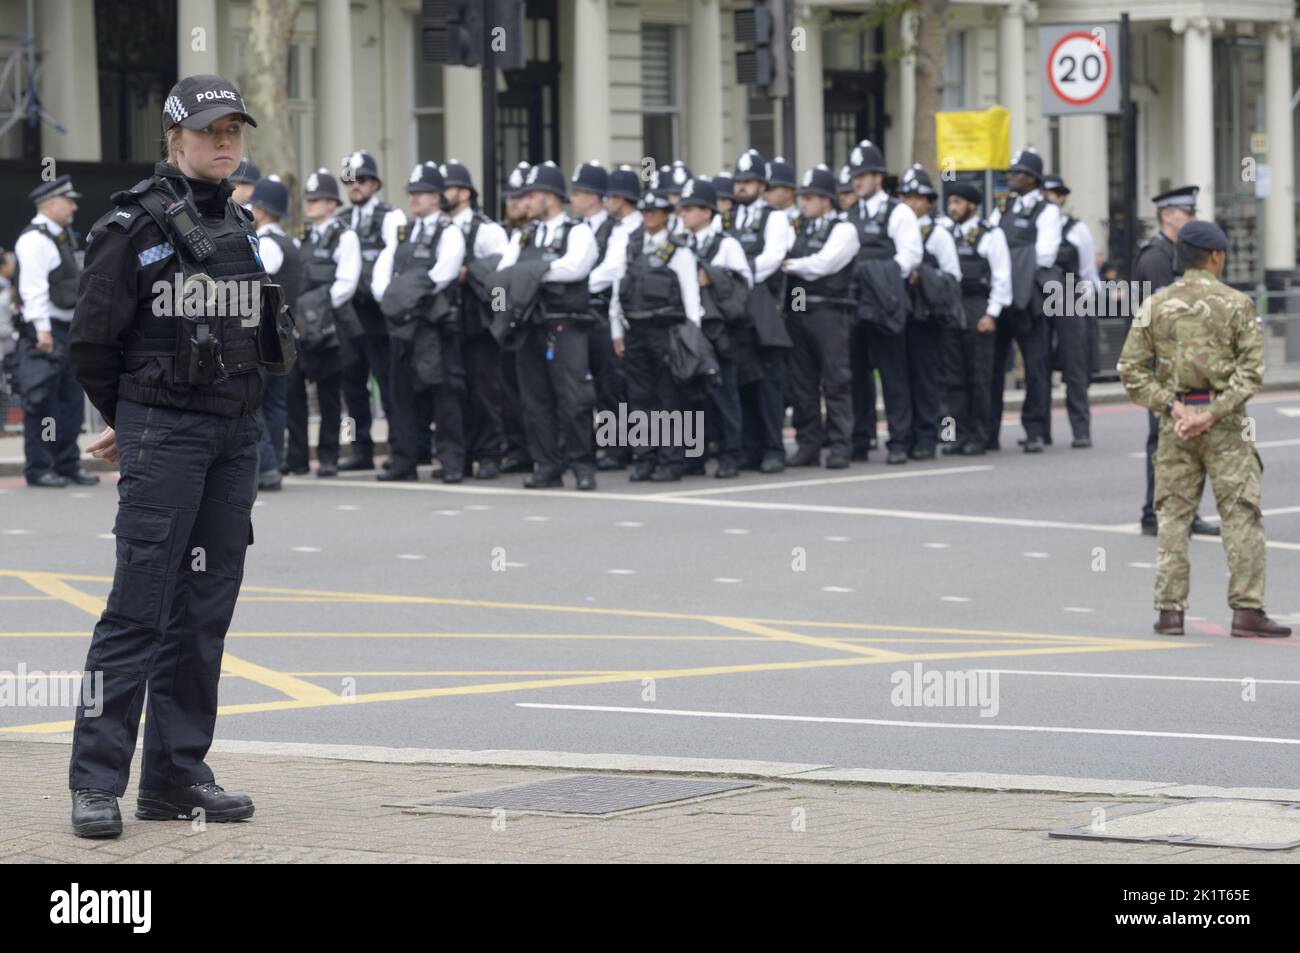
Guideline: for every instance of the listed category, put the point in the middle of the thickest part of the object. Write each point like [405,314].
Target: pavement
[417,639]
[334,804]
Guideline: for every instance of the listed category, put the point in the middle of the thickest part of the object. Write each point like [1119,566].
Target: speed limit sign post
[1080,68]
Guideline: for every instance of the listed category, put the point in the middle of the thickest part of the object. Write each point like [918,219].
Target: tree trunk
[931,54]
[265,88]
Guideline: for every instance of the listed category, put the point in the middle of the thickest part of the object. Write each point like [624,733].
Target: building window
[954,72]
[761,110]
[135,46]
[660,92]
[428,140]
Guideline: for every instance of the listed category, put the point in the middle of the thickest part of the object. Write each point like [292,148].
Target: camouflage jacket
[1195,334]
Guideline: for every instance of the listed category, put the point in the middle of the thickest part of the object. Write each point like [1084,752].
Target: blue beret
[1204,235]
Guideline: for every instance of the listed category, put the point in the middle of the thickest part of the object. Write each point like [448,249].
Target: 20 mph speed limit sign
[1079,68]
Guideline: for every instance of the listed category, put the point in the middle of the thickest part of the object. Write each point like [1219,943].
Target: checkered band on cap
[174,108]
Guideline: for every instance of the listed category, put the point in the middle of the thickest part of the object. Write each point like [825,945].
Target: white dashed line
[410,556]
[1143,565]
[835,589]
[724,579]
[105,536]
[538,519]
[736,532]
[1075,609]
[622,572]
[630,524]
[478,507]
[954,598]
[347,506]
[17,532]
[80,496]
[1035,555]
[837,539]
[937,546]
[306,549]
[448,512]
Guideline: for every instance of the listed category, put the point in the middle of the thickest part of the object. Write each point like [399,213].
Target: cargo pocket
[143,543]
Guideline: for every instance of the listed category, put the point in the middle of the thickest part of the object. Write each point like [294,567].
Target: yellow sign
[973,141]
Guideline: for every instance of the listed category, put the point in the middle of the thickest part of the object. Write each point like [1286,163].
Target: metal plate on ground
[1213,822]
[589,794]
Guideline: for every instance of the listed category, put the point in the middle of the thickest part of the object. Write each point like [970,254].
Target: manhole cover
[1252,825]
[589,794]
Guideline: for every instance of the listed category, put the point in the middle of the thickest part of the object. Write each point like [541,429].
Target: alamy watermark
[936,688]
[36,689]
[651,428]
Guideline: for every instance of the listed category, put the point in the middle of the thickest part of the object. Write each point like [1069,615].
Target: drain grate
[1250,825]
[592,794]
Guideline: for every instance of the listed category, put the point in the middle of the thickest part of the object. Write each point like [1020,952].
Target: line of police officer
[508,341]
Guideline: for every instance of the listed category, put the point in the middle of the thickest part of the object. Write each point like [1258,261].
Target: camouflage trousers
[1229,459]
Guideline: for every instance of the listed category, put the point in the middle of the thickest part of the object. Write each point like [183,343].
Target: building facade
[627,80]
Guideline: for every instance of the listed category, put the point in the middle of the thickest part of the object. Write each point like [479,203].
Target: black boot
[215,803]
[95,813]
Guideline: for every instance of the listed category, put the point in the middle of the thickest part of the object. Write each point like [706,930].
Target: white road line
[1036,555]
[622,572]
[1281,510]
[1289,411]
[1152,678]
[937,546]
[630,524]
[409,556]
[954,598]
[835,589]
[306,549]
[724,579]
[1076,609]
[886,723]
[1124,529]
[825,481]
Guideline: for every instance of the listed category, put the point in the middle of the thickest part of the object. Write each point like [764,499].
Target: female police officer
[175,375]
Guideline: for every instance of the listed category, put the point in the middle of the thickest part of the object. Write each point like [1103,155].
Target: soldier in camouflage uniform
[1194,356]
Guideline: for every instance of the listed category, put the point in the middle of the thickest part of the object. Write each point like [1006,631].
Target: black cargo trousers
[184,522]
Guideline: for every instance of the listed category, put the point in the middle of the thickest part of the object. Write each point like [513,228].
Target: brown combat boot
[1254,623]
[1170,622]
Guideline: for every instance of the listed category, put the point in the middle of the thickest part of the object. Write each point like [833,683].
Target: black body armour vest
[873,231]
[561,300]
[63,279]
[370,233]
[316,256]
[927,256]
[232,319]
[649,292]
[1067,256]
[474,317]
[1022,234]
[422,253]
[976,273]
[832,289]
[753,239]
[601,298]
[289,277]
